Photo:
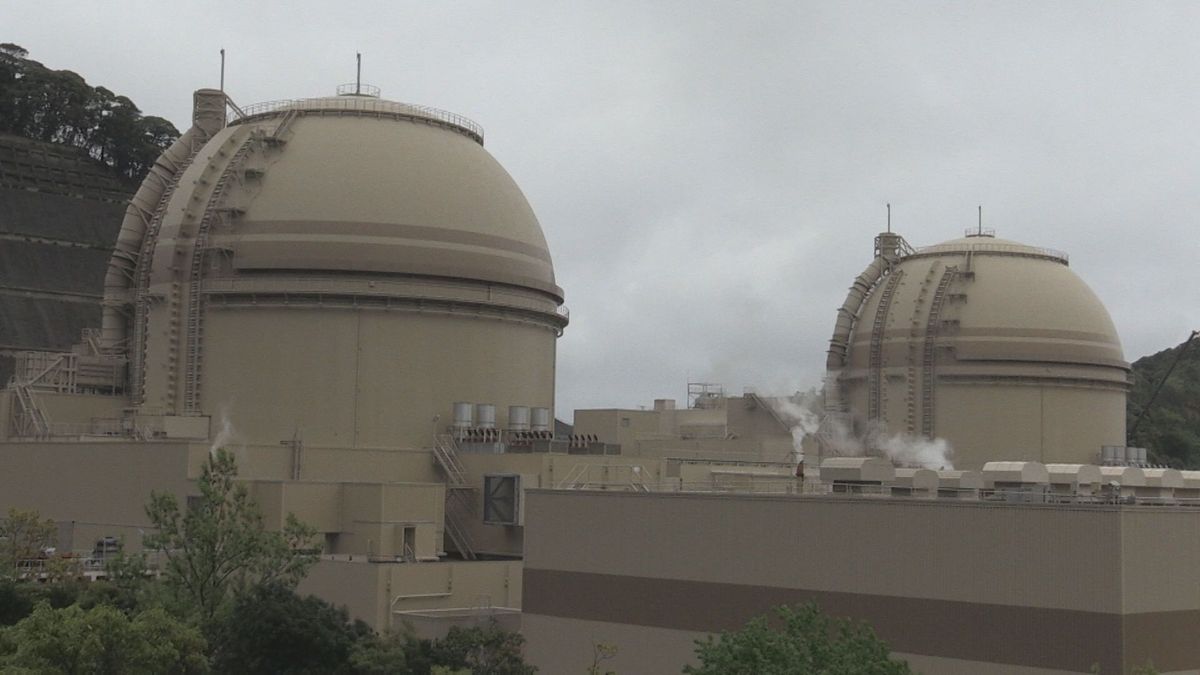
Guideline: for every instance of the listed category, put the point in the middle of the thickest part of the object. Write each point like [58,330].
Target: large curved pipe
[848,313]
[208,117]
[118,281]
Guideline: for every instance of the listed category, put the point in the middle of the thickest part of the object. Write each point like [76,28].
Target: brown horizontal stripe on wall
[283,228]
[1024,636]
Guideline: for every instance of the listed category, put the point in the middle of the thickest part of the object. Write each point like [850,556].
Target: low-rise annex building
[1017,579]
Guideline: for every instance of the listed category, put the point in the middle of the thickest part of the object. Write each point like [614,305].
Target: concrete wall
[1021,586]
[386,595]
[366,378]
[101,487]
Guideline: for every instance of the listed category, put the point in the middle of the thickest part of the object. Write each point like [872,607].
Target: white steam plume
[805,416]
[225,433]
[802,420]
[923,453]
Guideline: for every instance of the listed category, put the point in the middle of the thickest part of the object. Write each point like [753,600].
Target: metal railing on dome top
[1015,249]
[358,89]
[366,104]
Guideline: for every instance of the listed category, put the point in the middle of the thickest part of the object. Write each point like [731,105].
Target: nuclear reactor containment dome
[997,347]
[340,269]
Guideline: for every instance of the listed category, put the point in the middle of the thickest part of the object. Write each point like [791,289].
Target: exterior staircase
[460,498]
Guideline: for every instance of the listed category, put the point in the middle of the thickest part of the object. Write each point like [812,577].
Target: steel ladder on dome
[932,329]
[195,316]
[875,370]
[459,500]
[910,399]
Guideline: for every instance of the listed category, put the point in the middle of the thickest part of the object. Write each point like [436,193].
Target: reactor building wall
[997,347]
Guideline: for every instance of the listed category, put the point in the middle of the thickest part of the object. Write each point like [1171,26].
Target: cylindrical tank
[1112,454]
[1135,456]
[485,416]
[464,415]
[994,346]
[541,419]
[378,235]
[518,418]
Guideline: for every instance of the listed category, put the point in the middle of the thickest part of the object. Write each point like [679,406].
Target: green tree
[1171,427]
[270,629]
[219,544]
[59,106]
[601,652]
[394,652]
[482,650]
[23,536]
[101,641]
[804,640]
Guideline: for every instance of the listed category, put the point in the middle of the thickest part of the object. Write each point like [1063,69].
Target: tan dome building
[996,347]
[341,269]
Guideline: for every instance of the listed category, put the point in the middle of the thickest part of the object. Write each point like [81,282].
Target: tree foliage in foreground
[483,650]
[100,641]
[271,629]
[23,536]
[220,545]
[802,640]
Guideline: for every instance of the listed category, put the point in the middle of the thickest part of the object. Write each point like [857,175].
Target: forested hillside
[59,106]
[1171,429]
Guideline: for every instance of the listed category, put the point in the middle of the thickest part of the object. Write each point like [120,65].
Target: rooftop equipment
[1161,484]
[1123,480]
[464,416]
[916,483]
[1080,479]
[1191,485]
[485,416]
[541,419]
[1016,481]
[518,418]
[851,474]
[959,484]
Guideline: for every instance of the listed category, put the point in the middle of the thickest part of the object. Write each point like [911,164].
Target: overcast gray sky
[710,175]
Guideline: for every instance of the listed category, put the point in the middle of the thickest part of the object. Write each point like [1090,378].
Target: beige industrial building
[1020,569]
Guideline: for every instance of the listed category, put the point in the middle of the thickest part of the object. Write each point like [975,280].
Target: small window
[624,421]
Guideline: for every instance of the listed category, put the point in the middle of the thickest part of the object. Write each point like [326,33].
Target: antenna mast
[981,220]
[889,208]
[222,70]
[358,76]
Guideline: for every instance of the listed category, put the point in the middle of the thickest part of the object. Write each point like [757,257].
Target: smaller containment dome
[995,346]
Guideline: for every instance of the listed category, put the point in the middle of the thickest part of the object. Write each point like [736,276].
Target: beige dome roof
[366,185]
[1021,303]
